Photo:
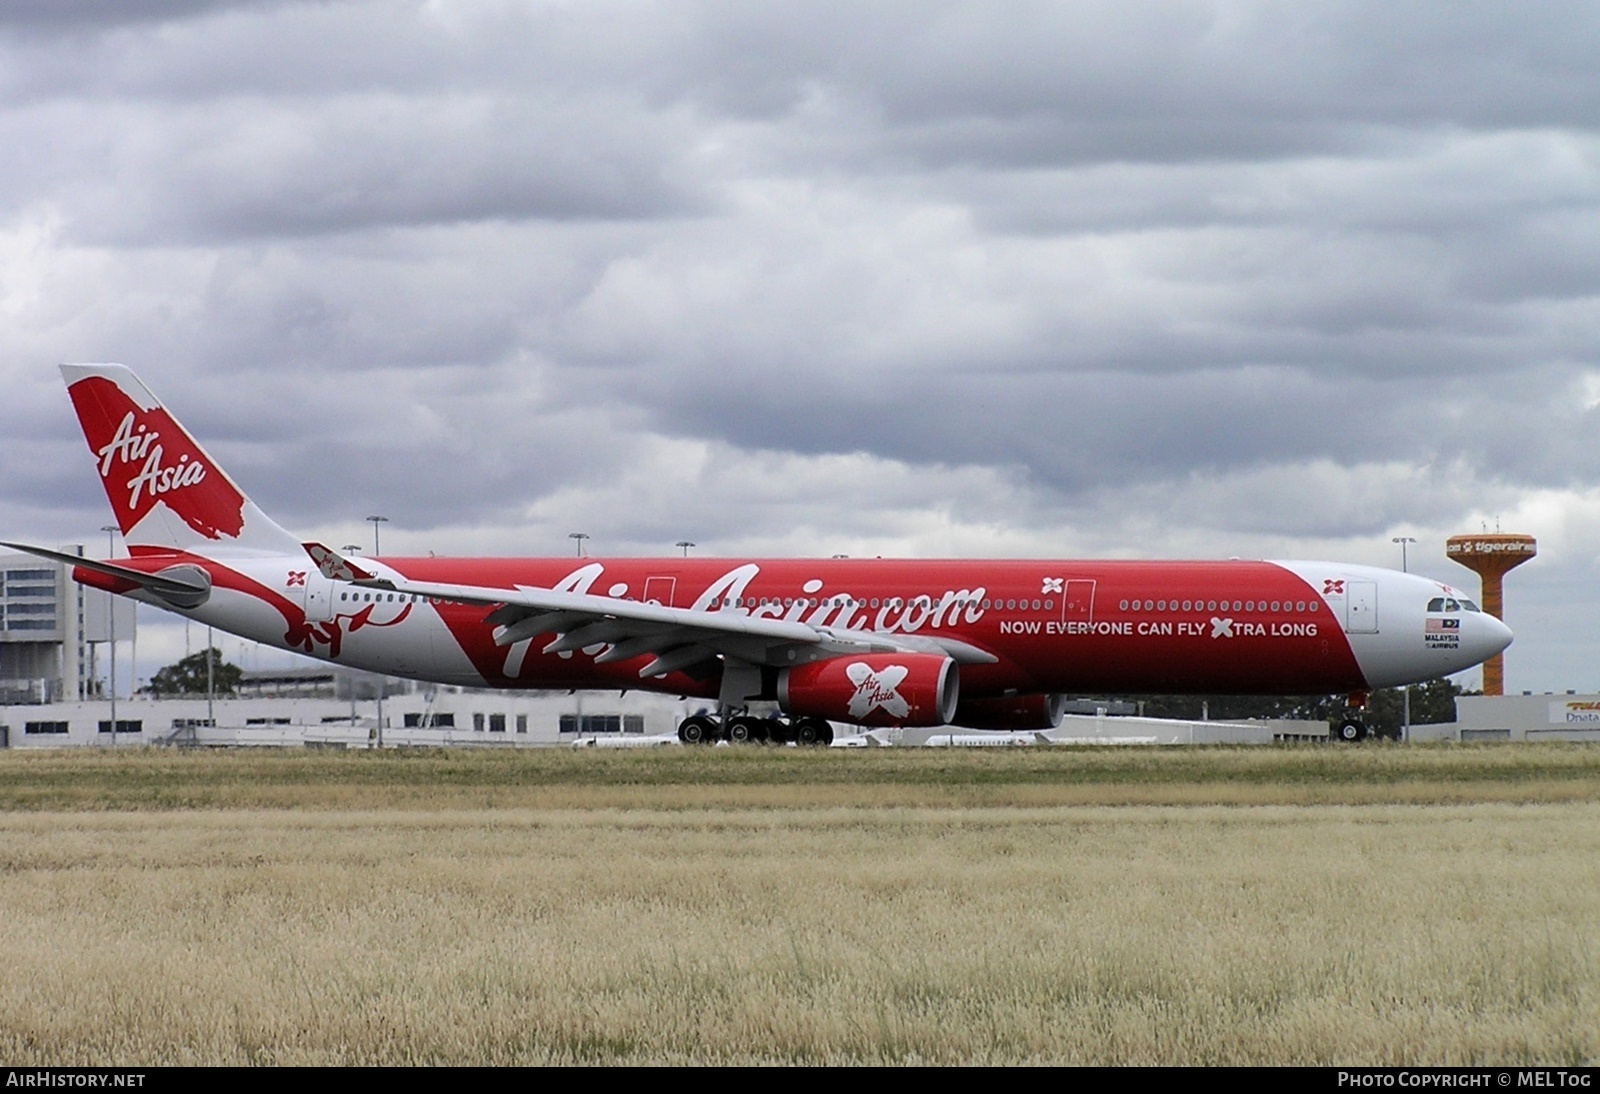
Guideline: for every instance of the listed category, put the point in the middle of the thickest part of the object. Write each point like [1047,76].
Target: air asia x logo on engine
[145,457]
[877,689]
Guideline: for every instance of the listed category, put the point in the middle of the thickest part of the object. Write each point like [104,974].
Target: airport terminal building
[404,718]
[52,630]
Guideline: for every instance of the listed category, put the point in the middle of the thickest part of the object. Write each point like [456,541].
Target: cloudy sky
[1132,279]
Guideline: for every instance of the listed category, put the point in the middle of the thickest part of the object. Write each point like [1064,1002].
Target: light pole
[211,681]
[382,680]
[580,537]
[685,544]
[1405,692]
[111,605]
[1402,541]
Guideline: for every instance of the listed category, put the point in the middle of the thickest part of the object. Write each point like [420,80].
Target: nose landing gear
[1350,731]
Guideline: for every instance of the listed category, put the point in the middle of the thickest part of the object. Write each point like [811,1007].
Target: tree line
[1432,702]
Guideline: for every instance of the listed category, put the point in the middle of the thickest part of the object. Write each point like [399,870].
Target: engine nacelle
[877,689]
[1036,711]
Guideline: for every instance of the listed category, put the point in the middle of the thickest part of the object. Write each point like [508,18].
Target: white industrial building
[433,718]
[53,631]
[1527,717]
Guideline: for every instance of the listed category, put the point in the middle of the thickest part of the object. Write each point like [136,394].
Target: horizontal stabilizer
[182,586]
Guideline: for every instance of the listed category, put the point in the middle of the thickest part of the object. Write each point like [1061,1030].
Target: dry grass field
[1310,905]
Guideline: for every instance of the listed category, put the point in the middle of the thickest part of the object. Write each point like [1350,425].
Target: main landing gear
[703,729]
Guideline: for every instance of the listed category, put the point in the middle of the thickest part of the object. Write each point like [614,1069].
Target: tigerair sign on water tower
[1490,555]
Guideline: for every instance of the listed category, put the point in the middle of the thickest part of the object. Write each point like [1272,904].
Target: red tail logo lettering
[145,457]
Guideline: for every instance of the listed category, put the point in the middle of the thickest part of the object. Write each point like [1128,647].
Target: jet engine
[879,689]
[1022,712]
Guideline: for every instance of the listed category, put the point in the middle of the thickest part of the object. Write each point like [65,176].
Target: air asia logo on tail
[145,457]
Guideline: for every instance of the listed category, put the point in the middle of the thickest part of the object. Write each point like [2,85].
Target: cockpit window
[1450,604]
[1470,606]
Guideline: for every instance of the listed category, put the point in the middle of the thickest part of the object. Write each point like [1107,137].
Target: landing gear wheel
[697,729]
[812,731]
[1350,731]
[744,729]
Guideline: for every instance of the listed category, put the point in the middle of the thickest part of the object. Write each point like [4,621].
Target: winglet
[334,566]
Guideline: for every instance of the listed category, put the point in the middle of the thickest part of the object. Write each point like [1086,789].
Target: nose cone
[1489,636]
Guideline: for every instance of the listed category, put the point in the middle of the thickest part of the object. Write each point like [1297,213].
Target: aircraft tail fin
[166,492]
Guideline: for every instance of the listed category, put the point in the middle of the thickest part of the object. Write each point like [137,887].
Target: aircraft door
[319,597]
[659,590]
[1361,607]
[1077,601]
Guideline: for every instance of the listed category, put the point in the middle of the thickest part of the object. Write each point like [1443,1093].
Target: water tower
[1490,555]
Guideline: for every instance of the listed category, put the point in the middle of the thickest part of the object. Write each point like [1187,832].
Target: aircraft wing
[677,638]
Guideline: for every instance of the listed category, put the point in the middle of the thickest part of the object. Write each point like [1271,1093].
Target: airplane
[987,739]
[655,740]
[984,644]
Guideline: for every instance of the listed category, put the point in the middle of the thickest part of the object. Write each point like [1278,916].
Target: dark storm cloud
[73,15]
[1073,435]
[1178,67]
[254,171]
